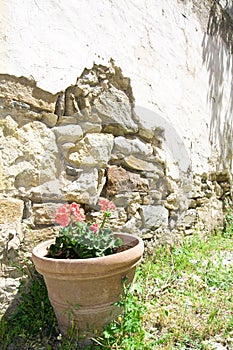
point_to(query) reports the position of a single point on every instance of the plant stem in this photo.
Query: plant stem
(106, 215)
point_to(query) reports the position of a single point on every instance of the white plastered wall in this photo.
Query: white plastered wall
(173, 64)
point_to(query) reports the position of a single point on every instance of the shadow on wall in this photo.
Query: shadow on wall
(217, 56)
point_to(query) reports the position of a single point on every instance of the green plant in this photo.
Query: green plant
(228, 225)
(127, 332)
(189, 294)
(80, 239)
(181, 299)
(33, 321)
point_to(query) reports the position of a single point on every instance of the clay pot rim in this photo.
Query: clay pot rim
(130, 239)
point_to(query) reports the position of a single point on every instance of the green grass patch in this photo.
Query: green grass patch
(182, 299)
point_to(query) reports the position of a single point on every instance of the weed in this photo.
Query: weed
(127, 331)
(181, 299)
(228, 225)
(34, 319)
(197, 303)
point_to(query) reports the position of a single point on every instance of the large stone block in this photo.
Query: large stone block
(48, 191)
(124, 146)
(68, 133)
(28, 156)
(114, 109)
(123, 181)
(154, 216)
(139, 164)
(86, 188)
(11, 210)
(94, 150)
(44, 213)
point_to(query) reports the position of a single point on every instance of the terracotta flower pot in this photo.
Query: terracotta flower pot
(83, 291)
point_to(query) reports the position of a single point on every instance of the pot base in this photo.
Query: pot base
(86, 323)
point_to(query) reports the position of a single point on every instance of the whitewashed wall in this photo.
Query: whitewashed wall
(176, 69)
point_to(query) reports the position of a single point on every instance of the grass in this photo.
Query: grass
(191, 304)
(182, 299)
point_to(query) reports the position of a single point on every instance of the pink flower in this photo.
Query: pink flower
(62, 220)
(106, 205)
(68, 213)
(77, 212)
(62, 217)
(94, 228)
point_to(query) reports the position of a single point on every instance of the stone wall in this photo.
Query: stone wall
(96, 145)
(167, 165)
(85, 143)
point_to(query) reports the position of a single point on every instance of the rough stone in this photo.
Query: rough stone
(8, 125)
(117, 220)
(72, 171)
(172, 201)
(156, 195)
(11, 210)
(133, 210)
(140, 164)
(210, 215)
(44, 213)
(48, 191)
(8, 287)
(64, 149)
(10, 238)
(190, 218)
(68, 133)
(122, 199)
(154, 216)
(28, 156)
(131, 226)
(126, 147)
(223, 176)
(114, 109)
(49, 119)
(26, 92)
(94, 150)
(86, 188)
(89, 77)
(121, 180)
(67, 120)
(101, 148)
(72, 93)
(171, 75)
(88, 127)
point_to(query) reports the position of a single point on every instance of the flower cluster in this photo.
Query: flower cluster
(81, 239)
(69, 212)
